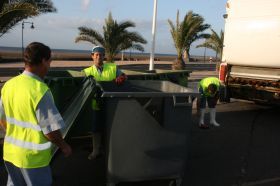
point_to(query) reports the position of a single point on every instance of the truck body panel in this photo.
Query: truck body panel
(252, 33)
(250, 53)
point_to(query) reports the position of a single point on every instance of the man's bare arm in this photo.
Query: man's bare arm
(56, 138)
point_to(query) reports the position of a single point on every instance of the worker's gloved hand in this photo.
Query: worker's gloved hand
(120, 80)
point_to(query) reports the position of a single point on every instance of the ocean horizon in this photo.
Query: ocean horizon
(19, 49)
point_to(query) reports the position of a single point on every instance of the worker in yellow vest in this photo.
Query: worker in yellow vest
(209, 92)
(31, 121)
(101, 72)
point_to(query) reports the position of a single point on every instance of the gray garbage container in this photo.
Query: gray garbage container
(148, 127)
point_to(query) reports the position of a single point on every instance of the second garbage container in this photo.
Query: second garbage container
(148, 127)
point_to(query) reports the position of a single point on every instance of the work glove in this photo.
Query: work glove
(120, 80)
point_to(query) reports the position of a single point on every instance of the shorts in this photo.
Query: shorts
(34, 176)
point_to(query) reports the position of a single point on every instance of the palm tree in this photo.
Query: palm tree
(185, 33)
(14, 11)
(214, 42)
(115, 37)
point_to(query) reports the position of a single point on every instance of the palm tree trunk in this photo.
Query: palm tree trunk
(187, 56)
(179, 64)
(221, 55)
(110, 58)
(122, 56)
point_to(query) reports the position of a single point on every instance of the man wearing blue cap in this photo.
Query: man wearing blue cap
(101, 72)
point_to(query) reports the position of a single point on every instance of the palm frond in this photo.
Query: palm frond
(187, 31)
(124, 25)
(214, 42)
(12, 14)
(138, 47)
(85, 38)
(115, 37)
(17, 10)
(2, 3)
(45, 6)
(207, 45)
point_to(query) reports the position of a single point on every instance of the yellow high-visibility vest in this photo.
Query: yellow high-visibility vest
(108, 74)
(204, 83)
(25, 145)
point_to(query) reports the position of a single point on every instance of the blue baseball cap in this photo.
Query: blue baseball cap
(98, 49)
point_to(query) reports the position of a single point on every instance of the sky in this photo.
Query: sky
(59, 30)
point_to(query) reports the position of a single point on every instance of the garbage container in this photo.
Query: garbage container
(148, 126)
(176, 76)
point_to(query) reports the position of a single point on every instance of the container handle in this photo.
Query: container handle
(182, 104)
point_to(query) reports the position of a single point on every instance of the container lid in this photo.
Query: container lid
(145, 88)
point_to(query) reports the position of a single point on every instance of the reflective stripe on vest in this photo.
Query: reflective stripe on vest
(23, 124)
(108, 74)
(25, 145)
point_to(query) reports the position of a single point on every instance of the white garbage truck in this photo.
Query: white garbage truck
(250, 67)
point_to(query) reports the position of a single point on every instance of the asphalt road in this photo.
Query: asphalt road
(243, 151)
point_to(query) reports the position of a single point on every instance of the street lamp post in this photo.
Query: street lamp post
(22, 27)
(204, 53)
(154, 36)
